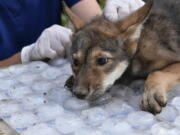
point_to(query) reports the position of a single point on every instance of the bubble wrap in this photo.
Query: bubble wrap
(33, 101)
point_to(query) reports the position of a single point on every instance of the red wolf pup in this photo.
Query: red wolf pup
(146, 44)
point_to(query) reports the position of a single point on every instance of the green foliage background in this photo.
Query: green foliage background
(101, 3)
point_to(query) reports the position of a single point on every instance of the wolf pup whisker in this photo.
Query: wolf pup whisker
(145, 44)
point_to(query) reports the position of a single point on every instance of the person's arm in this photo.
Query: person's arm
(86, 9)
(54, 42)
(15, 59)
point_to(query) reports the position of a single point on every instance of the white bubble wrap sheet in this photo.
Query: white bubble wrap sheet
(33, 101)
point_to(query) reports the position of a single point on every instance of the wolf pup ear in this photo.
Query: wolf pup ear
(77, 22)
(132, 25)
(136, 18)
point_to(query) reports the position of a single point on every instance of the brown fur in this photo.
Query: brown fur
(148, 41)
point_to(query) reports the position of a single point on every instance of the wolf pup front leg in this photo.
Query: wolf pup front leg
(157, 85)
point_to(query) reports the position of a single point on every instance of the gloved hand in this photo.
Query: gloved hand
(54, 41)
(118, 9)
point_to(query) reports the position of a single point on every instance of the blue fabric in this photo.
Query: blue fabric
(71, 2)
(22, 22)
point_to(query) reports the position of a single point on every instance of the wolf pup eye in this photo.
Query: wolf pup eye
(101, 61)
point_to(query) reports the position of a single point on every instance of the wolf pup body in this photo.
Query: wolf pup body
(146, 44)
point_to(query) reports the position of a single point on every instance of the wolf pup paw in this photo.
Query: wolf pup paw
(153, 100)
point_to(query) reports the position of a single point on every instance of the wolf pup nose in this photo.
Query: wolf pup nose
(80, 93)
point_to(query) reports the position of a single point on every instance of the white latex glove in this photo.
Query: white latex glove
(118, 9)
(54, 41)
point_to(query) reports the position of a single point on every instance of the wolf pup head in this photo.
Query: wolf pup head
(102, 50)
